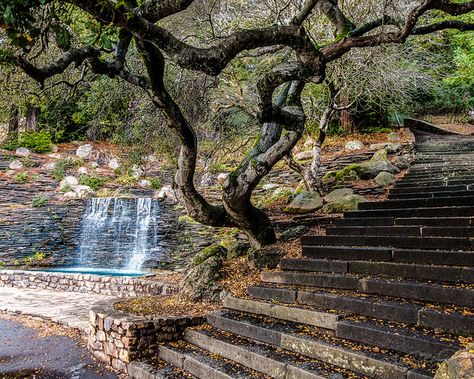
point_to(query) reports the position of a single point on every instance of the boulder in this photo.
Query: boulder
(49, 166)
(238, 249)
(207, 180)
(384, 179)
(15, 165)
(54, 148)
(354, 145)
(217, 251)
(393, 137)
(166, 192)
(371, 169)
(221, 178)
(71, 195)
(459, 366)
(294, 232)
(144, 183)
(266, 258)
(389, 146)
(82, 170)
(281, 193)
(83, 191)
(114, 163)
(23, 152)
(337, 194)
(402, 161)
(137, 171)
(84, 150)
(199, 283)
(306, 201)
(68, 181)
(304, 155)
(380, 155)
(343, 204)
(270, 186)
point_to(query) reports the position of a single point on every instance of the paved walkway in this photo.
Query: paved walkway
(70, 309)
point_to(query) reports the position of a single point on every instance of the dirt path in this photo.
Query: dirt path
(41, 350)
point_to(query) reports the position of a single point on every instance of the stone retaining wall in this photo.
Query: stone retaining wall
(118, 338)
(105, 285)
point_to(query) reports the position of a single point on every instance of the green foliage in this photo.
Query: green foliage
(35, 258)
(39, 142)
(126, 179)
(93, 181)
(374, 129)
(352, 171)
(10, 144)
(61, 167)
(40, 201)
(22, 177)
(155, 183)
(217, 251)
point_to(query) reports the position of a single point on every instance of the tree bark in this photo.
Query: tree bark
(32, 114)
(13, 123)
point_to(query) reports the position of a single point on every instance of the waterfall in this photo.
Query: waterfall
(119, 233)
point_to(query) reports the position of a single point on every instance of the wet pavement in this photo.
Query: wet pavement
(24, 353)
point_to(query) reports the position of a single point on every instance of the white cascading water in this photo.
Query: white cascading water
(118, 233)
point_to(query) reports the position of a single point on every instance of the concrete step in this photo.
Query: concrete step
(390, 221)
(450, 188)
(400, 288)
(155, 369)
(400, 339)
(433, 183)
(387, 254)
(372, 306)
(414, 195)
(269, 360)
(402, 230)
(399, 270)
(464, 244)
(420, 202)
(304, 316)
(202, 364)
(294, 338)
(452, 211)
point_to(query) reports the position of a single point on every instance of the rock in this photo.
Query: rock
(371, 169)
(84, 150)
(114, 163)
(54, 148)
(199, 283)
(402, 161)
(82, 170)
(217, 251)
(281, 193)
(384, 179)
(380, 155)
(459, 366)
(393, 137)
(238, 249)
(343, 204)
(15, 165)
(207, 180)
(71, 195)
(294, 232)
(49, 166)
(266, 258)
(304, 155)
(83, 191)
(365, 170)
(390, 147)
(337, 194)
(221, 178)
(270, 186)
(68, 181)
(23, 152)
(145, 183)
(55, 156)
(137, 171)
(306, 201)
(94, 164)
(166, 192)
(354, 145)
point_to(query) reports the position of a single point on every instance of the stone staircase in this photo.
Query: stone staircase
(388, 292)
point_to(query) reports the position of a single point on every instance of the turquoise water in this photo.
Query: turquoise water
(95, 271)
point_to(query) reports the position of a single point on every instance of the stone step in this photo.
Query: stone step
(402, 230)
(387, 254)
(203, 365)
(392, 221)
(413, 195)
(408, 289)
(462, 211)
(447, 171)
(433, 183)
(403, 340)
(292, 337)
(398, 191)
(436, 177)
(445, 243)
(400, 270)
(269, 360)
(419, 202)
(155, 369)
(303, 316)
(372, 306)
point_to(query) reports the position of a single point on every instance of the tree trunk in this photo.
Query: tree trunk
(32, 114)
(13, 123)
(346, 118)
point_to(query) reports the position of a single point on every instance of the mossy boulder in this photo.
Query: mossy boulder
(337, 194)
(459, 366)
(237, 249)
(343, 204)
(365, 171)
(353, 171)
(217, 251)
(380, 155)
(200, 282)
(384, 179)
(402, 161)
(279, 194)
(293, 233)
(306, 201)
(266, 258)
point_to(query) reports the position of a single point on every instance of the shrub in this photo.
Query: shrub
(155, 183)
(94, 182)
(126, 180)
(22, 177)
(39, 142)
(10, 143)
(40, 201)
(60, 168)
